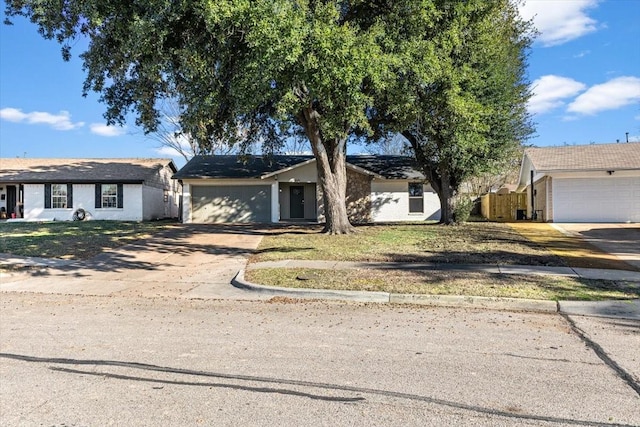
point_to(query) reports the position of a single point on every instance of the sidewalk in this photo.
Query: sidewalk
(217, 289)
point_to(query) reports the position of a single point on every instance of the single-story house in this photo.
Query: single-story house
(582, 183)
(101, 189)
(270, 189)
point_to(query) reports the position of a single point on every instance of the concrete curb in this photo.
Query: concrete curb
(239, 282)
(503, 304)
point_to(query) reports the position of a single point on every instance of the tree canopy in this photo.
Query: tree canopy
(259, 71)
(465, 111)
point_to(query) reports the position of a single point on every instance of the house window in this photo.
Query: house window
(58, 196)
(416, 197)
(109, 196)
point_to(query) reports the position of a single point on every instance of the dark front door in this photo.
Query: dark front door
(296, 197)
(11, 199)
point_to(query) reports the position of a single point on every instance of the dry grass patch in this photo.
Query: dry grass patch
(447, 283)
(72, 240)
(470, 243)
(574, 250)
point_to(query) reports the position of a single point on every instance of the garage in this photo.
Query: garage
(603, 199)
(231, 204)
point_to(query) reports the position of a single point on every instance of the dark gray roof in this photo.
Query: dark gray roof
(243, 167)
(389, 167)
(24, 170)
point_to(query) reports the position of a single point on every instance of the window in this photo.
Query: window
(416, 197)
(109, 196)
(58, 196)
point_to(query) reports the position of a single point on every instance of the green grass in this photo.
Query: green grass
(470, 243)
(448, 283)
(71, 240)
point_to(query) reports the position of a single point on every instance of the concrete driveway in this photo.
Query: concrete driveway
(185, 261)
(620, 240)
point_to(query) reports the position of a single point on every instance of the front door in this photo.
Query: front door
(11, 200)
(296, 200)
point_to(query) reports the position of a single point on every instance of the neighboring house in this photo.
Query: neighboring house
(583, 183)
(114, 189)
(269, 189)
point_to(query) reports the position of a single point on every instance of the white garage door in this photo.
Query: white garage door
(607, 199)
(229, 204)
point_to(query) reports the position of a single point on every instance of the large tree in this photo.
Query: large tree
(462, 107)
(238, 68)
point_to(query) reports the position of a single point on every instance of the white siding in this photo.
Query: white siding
(390, 202)
(154, 206)
(607, 198)
(306, 173)
(83, 197)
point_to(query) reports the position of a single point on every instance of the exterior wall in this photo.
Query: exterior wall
(161, 196)
(595, 196)
(154, 206)
(3, 198)
(541, 200)
(390, 202)
(307, 173)
(83, 197)
(370, 200)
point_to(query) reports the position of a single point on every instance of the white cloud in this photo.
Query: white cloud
(550, 91)
(560, 21)
(582, 54)
(60, 121)
(106, 130)
(611, 95)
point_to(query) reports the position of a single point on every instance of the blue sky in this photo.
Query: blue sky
(584, 68)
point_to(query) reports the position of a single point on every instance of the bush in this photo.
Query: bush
(462, 209)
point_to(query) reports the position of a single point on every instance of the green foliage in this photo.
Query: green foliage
(465, 112)
(449, 75)
(462, 209)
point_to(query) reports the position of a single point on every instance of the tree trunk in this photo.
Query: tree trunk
(332, 173)
(438, 178)
(445, 194)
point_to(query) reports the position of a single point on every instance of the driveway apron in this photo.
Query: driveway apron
(184, 261)
(620, 240)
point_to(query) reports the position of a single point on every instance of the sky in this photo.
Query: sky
(584, 69)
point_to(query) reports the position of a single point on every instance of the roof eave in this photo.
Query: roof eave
(287, 169)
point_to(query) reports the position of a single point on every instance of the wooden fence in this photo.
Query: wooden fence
(504, 207)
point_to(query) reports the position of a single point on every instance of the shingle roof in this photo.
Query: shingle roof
(27, 170)
(622, 156)
(236, 167)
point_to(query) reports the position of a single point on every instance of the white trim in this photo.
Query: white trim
(290, 168)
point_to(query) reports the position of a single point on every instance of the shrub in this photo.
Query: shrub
(462, 209)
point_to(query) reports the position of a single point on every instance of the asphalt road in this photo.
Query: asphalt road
(82, 360)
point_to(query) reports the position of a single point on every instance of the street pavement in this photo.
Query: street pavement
(153, 334)
(78, 360)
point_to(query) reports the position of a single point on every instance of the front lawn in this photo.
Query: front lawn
(448, 283)
(72, 240)
(470, 243)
